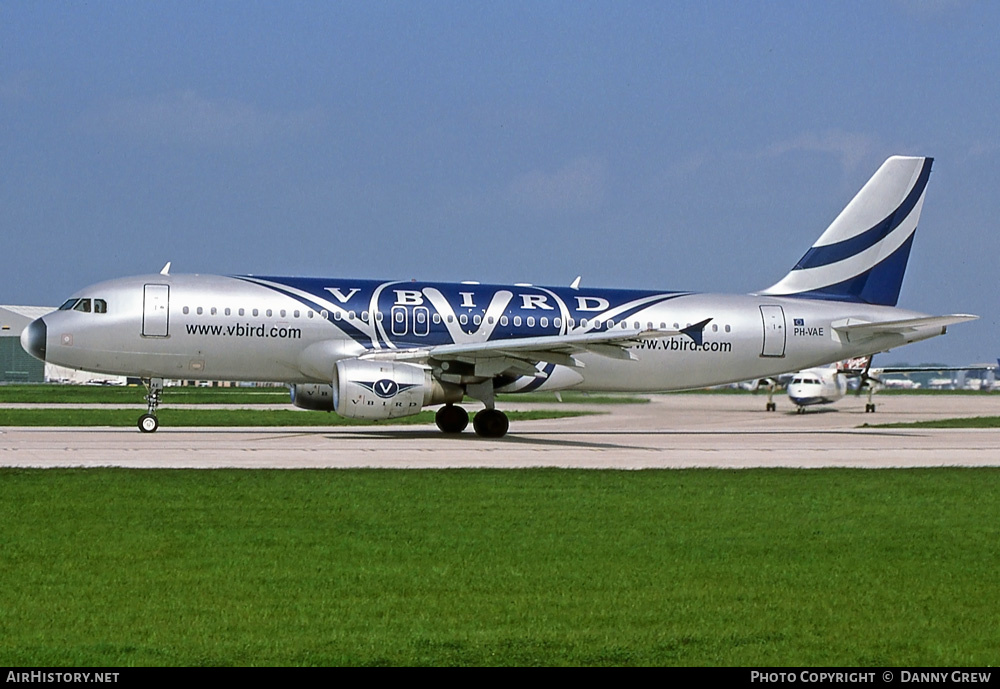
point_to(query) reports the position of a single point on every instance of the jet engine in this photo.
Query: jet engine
(314, 396)
(386, 390)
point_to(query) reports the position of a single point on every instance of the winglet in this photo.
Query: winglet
(166, 269)
(576, 283)
(696, 331)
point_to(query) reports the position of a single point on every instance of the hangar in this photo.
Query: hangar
(16, 365)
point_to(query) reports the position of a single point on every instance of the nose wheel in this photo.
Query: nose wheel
(148, 423)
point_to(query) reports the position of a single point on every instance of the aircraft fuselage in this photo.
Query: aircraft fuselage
(294, 330)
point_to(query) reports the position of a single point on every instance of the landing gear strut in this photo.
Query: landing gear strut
(870, 406)
(490, 422)
(148, 422)
(771, 406)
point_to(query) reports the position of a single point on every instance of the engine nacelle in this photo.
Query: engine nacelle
(314, 396)
(387, 390)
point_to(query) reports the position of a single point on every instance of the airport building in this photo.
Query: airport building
(16, 365)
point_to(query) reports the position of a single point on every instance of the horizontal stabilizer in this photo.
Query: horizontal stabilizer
(858, 330)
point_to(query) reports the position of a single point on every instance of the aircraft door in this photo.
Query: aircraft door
(774, 331)
(155, 310)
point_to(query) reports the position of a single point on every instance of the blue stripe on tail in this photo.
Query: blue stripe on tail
(880, 285)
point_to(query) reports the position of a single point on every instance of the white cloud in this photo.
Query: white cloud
(852, 149)
(190, 118)
(580, 185)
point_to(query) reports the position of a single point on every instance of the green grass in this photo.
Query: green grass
(227, 417)
(97, 394)
(966, 422)
(118, 567)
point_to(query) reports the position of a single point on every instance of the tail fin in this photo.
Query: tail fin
(862, 255)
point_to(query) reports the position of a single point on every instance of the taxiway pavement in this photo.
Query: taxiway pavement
(671, 431)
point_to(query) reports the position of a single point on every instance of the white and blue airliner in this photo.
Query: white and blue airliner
(385, 349)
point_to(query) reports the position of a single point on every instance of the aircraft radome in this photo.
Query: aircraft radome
(382, 350)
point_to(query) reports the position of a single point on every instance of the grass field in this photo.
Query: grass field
(966, 422)
(477, 567)
(98, 394)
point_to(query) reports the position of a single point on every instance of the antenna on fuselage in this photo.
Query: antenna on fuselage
(166, 269)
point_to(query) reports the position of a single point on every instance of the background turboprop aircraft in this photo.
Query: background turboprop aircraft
(826, 385)
(383, 350)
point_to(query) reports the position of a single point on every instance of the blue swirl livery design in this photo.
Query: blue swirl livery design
(380, 350)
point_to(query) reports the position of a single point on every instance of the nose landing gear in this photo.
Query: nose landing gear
(148, 422)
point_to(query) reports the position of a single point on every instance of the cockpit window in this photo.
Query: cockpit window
(85, 305)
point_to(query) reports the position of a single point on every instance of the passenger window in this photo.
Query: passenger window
(544, 322)
(186, 310)
(557, 322)
(242, 312)
(199, 310)
(477, 319)
(531, 321)
(517, 321)
(255, 312)
(503, 321)
(82, 305)
(269, 313)
(282, 313)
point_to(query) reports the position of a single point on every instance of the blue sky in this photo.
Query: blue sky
(692, 145)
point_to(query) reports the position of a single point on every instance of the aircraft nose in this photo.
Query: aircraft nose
(33, 338)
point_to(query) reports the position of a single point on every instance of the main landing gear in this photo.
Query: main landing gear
(451, 419)
(489, 423)
(771, 406)
(148, 422)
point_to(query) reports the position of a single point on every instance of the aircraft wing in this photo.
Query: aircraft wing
(859, 330)
(519, 356)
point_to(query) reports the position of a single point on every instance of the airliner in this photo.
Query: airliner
(383, 350)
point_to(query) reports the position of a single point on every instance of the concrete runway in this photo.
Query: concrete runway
(672, 431)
